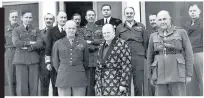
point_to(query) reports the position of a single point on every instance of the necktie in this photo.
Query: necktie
(106, 21)
(62, 30)
(27, 28)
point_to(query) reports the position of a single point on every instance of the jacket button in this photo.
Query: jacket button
(71, 58)
(71, 49)
(18, 51)
(70, 53)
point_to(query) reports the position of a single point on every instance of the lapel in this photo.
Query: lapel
(194, 27)
(57, 33)
(23, 28)
(102, 21)
(100, 56)
(112, 21)
(113, 43)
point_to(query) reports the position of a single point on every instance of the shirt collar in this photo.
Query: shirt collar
(60, 28)
(130, 24)
(107, 20)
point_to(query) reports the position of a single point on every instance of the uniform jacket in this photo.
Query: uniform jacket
(172, 67)
(195, 34)
(53, 35)
(93, 33)
(8, 44)
(114, 21)
(136, 33)
(21, 38)
(70, 62)
(114, 69)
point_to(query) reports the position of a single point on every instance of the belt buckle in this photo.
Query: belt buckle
(164, 51)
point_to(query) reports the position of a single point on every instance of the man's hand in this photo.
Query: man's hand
(188, 79)
(32, 42)
(152, 82)
(88, 41)
(122, 89)
(49, 67)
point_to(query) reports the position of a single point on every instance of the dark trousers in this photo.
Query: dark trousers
(91, 80)
(10, 70)
(173, 89)
(45, 76)
(27, 79)
(151, 89)
(137, 61)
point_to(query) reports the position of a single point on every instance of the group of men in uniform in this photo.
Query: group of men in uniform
(28, 55)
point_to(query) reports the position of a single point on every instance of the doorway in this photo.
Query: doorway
(78, 7)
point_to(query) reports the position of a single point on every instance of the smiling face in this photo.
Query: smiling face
(163, 20)
(194, 12)
(49, 20)
(13, 17)
(152, 20)
(129, 14)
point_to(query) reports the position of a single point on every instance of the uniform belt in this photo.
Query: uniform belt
(168, 52)
(131, 39)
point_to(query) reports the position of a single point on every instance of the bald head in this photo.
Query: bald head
(61, 18)
(70, 28)
(164, 19)
(108, 32)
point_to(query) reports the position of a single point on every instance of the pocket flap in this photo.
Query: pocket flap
(154, 64)
(181, 61)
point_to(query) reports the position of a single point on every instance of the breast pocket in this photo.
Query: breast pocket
(177, 40)
(33, 35)
(63, 53)
(8, 37)
(157, 44)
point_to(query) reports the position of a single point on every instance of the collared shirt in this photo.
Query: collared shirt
(130, 24)
(108, 20)
(60, 28)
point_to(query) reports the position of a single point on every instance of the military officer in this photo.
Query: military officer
(27, 41)
(153, 23)
(77, 18)
(136, 36)
(10, 51)
(170, 58)
(45, 72)
(93, 36)
(70, 61)
(194, 28)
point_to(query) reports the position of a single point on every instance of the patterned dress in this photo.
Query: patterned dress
(114, 69)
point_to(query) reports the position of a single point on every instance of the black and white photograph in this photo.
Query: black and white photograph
(103, 48)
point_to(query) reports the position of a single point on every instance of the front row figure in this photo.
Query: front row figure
(70, 61)
(170, 58)
(113, 65)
